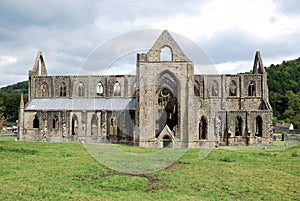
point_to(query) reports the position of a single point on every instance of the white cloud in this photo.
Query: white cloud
(7, 60)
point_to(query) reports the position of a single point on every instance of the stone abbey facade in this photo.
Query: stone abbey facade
(164, 104)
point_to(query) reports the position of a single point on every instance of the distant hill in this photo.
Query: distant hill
(283, 82)
(284, 88)
(10, 100)
(20, 87)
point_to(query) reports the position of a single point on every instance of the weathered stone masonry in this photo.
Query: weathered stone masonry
(163, 104)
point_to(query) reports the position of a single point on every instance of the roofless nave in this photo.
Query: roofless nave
(165, 103)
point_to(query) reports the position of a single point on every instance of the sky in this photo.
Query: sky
(69, 31)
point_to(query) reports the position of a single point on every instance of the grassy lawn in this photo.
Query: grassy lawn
(66, 171)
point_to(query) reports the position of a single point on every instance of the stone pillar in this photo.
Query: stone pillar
(21, 119)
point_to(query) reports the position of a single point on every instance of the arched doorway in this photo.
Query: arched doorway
(36, 122)
(167, 112)
(74, 125)
(203, 128)
(238, 126)
(166, 141)
(258, 126)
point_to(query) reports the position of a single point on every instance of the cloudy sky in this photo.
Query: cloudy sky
(68, 31)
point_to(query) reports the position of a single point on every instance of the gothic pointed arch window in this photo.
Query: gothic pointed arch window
(55, 122)
(258, 126)
(232, 88)
(251, 88)
(166, 54)
(100, 89)
(80, 89)
(215, 88)
(36, 122)
(117, 89)
(62, 90)
(44, 90)
(203, 128)
(238, 126)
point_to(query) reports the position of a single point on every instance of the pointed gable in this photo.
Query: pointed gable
(165, 40)
(258, 67)
(39, 65)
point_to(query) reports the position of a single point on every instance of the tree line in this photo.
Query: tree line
(284, 89)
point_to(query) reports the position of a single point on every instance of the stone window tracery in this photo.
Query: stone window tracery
(55, 122)
(62, 90)
(44, 90)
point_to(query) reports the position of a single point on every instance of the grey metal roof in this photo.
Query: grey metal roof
(82, 104)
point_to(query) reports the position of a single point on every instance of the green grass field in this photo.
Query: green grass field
(66, 171)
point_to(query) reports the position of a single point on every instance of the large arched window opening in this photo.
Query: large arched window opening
(167, 111)
(74, 127)
(36, 122)
(166, 54)
(62, 90)
(238, 126)
(80, 89)
(232, 88)
(117, 89)
(251, 89)
(100, 89)
(258, 126)
(44, 90)
(203, 128)
(94, 125)
(215, 89)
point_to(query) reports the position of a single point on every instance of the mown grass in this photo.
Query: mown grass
(65, 171)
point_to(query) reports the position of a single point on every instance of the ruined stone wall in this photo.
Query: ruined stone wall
(89, 84)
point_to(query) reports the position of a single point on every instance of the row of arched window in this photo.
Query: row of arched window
(203, 127)
(214, 91)
(36, 122)
(239, 126)
(99, 89)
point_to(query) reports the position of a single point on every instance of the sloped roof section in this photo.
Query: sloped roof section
(81, 104)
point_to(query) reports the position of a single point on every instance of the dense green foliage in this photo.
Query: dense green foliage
(10, 100)
(65, 171)
(284, 87)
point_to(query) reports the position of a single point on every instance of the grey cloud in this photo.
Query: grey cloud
(45, 13)
(288, 7)
(237, 44)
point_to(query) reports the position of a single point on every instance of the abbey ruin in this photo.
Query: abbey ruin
(164, 104)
